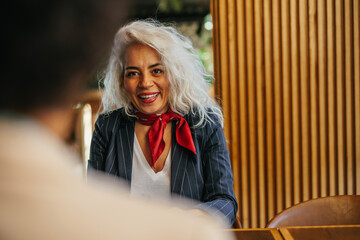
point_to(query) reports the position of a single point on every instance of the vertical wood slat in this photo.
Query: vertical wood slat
(244, 139)
(304, 92)
(294, 29)
(279, 156)
(314, 98)
(331, 75)
(249, 16)
(269, 95)
(234, 99)
(290, 71)
(322, 75)
(260, 117)
(214, 8)
(356, 21)
(349, 96)
(340, 95)
(286, 76)
(224, 85)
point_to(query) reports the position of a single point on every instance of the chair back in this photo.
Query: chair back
(237, 223)
(334, 210)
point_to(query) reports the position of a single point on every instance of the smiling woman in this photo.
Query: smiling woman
(160, 130)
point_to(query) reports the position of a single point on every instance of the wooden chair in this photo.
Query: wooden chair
(85, 114)
(335, 210)
(237, 223)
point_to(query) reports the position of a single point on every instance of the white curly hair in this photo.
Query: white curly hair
(187, 75)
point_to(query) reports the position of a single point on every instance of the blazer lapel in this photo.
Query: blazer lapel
(178, 166)
(126, 147)
(179, 161)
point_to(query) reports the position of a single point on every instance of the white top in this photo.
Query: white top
(145, 182)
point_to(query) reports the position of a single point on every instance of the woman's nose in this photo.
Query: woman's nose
(146, 81)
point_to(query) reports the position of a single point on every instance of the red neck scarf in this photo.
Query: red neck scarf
(156, 132)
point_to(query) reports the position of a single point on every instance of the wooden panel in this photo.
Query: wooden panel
(357, 91)
(314, 99)
(233, 88)
(349, 96)
(304, 92)
(269, 109)
(244, 133)
(224, 74)
(250, 48)
(260, 108)
(322, 75)
(340, 96)
(295, 86)
(286, 84)
(331, 95)
(277, 60)
(287, 73)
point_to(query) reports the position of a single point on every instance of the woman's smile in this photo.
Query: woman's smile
(148, 97)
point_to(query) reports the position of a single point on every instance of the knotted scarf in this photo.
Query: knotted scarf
(156, 133)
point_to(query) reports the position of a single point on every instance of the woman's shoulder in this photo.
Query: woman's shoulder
(210, 119)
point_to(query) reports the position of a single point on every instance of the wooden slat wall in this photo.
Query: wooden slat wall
(287, 76)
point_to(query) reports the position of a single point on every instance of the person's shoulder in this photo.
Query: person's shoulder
(211, 120)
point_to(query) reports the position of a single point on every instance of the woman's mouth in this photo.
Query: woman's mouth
(148, 97)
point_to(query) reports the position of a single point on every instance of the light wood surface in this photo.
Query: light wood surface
(257, 233)
(339, 232)
(350, 232)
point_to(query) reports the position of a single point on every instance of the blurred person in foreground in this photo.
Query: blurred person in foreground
(160, 130)
(49, 48)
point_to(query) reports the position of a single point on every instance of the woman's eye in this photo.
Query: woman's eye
(157, 71)
(131, 74)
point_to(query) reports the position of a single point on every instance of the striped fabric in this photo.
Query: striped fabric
(205, 177)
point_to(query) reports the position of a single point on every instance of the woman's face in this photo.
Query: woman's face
(145, 80)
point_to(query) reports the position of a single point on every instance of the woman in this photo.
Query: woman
(159, 129)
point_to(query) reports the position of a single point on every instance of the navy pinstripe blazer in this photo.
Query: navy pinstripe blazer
(205, 177)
